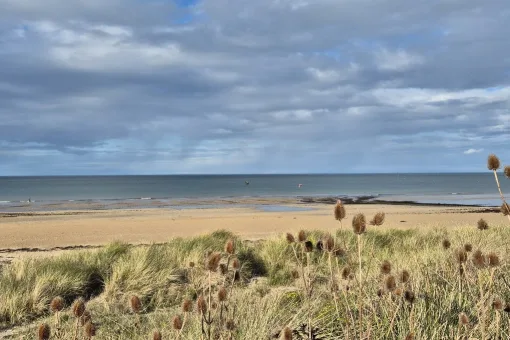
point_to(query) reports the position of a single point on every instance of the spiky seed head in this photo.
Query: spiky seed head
(478, 259)
(507, 308)
(214, 305)
(295, 274)
(287, 334)
(177, 323)
(504, 210)
(319, 245)
(78, 307)
(57, 304)
(497, 304)
(493, 259)
(213, 261)
(346, 271)
(223, 269)
(44, 331)
(446, 244)
(308, 246)
(156, 335)
(222, 294)
(230, 247)
(378, 219)
(410, 336)
(89, 329)
(380, 292)
(191, 264)
(136, 304)
(385, 267)
(398, 291)
(463, 319)
(339, 210)
(201, 305)
(339, 252)
(468, 247)
(230, 325)
(187, 306)
(301, 236)
(390, 283)
(461, 255)
(329, 243)
(409, 296)
(493, 162)
(359, 224)
(482, 224)
(290, 238)
(236, 264)
(86, 317)
(507, 171)
(404, 276)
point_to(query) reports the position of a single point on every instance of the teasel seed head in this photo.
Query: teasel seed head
(191, 264)
(404, 276)
(223, 269)
(287, 334)
(90, 329)
(319, 245)
(493, 260)
(507, 308)
(213, 261)
(478, 259)
(230, 325)
(378, 219)
(385, 267)
(380, 292)
(86, 317)
(463, 319)
(482, 224)
(329, 243)
(468, 247)
(359, 224)
(295, 274)
(230, 247)
(187, 306)
(346, 271)
(156, 335)
(446, 244)
(497, 304)
(201, 305)
(410, 336)
(504, 210)
(301, 236)
(339, 252)
(236, 264)
(507, 171)
(136, 304)
(44, 331)
(222, 294)
(78, 307)
(177, 323)
(290, 238)
(308, 246)
(493, 162)
(390, 283)
(339, 210)
(57, 304)
(461, 255)
(409, 296)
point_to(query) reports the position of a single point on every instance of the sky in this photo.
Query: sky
(266, 86)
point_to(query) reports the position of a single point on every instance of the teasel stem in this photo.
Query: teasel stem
(182, 327)
(335, 297)
(300, 264)
(395, 316)
(501, 192)
(209, 309)
(309, 296)
(360, 300)
(348, 308)
(76, 329)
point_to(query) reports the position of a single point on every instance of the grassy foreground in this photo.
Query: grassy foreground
(373, 284)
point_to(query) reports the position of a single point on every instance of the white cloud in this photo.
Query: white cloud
(398, 60)
(471, 151)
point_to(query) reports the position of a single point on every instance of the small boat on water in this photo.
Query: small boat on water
(300, 185)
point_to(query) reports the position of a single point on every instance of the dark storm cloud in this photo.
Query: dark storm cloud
(272, 86)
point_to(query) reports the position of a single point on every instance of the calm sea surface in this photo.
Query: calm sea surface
(464, 188)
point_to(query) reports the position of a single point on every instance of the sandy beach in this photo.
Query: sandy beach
(58, 229)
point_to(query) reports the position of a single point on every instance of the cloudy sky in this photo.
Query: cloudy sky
(266, 86)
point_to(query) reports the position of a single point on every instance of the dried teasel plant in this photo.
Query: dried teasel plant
(230, 247)
(507, 171)
(339, 211)
(78, 309)
(286, 334)
(290, 238)
(494, 164)
(461, 256)
(463, 319)
(359, 224)
(446, 244)
(409, 296)
(482, 224)
(478, 259)
(493, 259)
(156, 335)
(86, 317)
(89, 330)
(44, 331)
(468, 247)
(213, 261)
(135, 304)
(301, 236)
(177, 323)
(187, 306)
(390, 283)
(56, 306)
(404, 276)
(497, 304)
(385, 267)
(378, 219)
(201, 305)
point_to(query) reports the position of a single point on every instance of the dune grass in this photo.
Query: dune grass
(269, 293)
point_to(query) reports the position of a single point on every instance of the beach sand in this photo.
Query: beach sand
(48, 230)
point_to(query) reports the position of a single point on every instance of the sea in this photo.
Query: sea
(113, 192)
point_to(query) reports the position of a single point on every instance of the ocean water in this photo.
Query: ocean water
(465, 188)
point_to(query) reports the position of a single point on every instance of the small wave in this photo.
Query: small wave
(146, 198)
(70, 200)
(5, 202)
